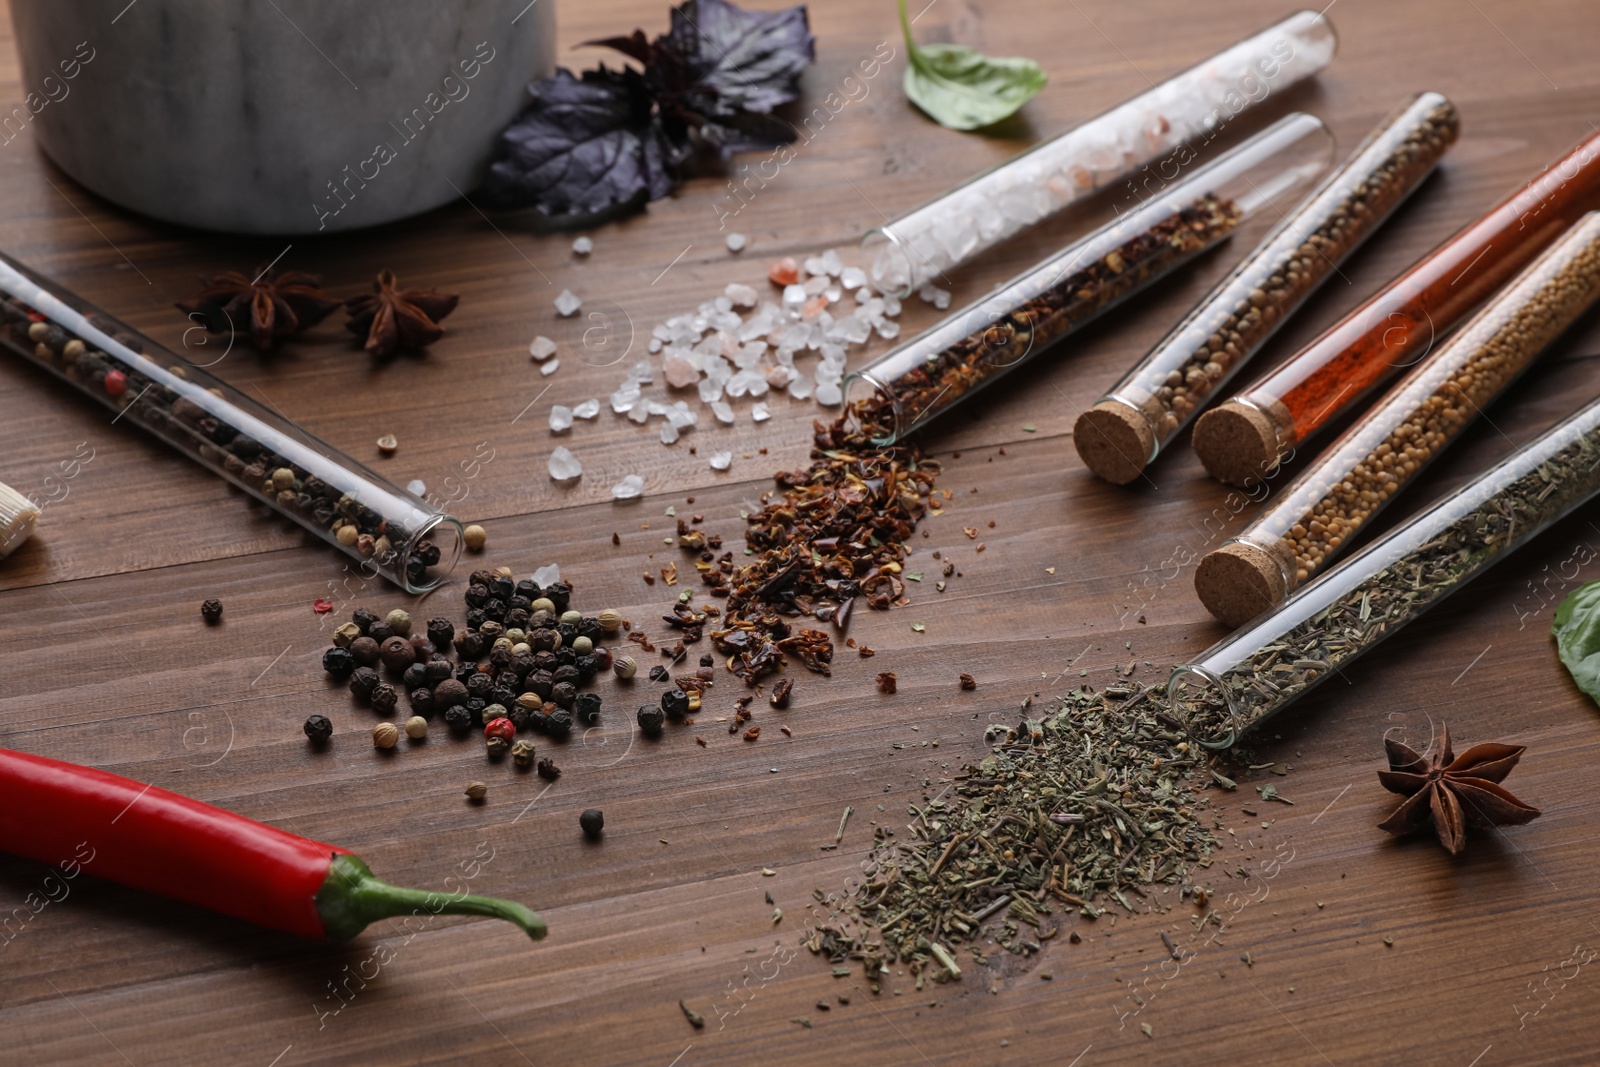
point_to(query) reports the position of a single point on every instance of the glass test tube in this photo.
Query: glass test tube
(1244, 437)
(1347, 611)
(1331, 501)
(927, 375)
(388, 530)
(1125, 431)
(1181, 113)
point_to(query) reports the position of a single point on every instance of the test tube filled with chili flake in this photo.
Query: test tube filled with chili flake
(390, 532)
(1125, 431)
(1346, 612)
(1247, 435)
(1334, 499)
(926, 376)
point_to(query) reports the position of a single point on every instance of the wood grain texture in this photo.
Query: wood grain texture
(105, 660)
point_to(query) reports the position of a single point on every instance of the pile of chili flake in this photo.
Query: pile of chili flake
(831, 535)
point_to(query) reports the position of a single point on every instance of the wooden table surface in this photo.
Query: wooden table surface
(105, 660)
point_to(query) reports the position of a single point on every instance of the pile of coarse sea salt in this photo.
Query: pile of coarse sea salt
(739, 347)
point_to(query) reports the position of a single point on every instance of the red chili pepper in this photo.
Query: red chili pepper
(147, 838)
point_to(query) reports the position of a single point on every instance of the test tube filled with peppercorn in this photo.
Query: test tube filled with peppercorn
(1129, 426)
(1335, 498)
(928, 375)
(391, 532)
(1345, 613)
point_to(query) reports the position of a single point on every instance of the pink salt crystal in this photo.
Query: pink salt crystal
(813, 307)
(784, 272)
(680, 373)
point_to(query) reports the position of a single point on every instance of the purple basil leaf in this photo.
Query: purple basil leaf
(744, 131)
(584, 145)
(634, 47)
(749, 60)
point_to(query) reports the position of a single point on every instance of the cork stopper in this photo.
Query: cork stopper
(1237, 443)
(1114, 441)
(1239, 581)
(18, 517)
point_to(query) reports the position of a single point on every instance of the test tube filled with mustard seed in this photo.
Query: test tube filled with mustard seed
(916, 382)
(1334, 499)
(1128, 427)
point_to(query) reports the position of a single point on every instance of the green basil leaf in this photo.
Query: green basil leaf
(1577, 630)
(963, 89)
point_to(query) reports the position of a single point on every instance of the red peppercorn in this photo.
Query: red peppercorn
(116, 382)
(502, 728)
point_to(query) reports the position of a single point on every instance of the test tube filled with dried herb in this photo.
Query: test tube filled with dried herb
(1332, 501)
(1346, 612)
(931, 373)
(1239, 440)
(1125, 431)
(390, 532)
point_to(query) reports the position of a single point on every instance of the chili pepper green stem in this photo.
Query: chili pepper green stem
(352, 898)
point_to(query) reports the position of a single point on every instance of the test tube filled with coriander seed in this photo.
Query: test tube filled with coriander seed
(1128, 427)
(924, 377)
(1334, 499)
(390, 532)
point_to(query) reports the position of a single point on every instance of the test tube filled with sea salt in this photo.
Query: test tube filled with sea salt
(1174, 117)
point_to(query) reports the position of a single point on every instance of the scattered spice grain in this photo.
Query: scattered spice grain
(211, 612)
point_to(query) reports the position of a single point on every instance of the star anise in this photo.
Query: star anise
(392, 317)
(276, 305)
(1453, 792)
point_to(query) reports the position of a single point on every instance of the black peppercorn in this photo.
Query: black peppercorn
(465, 671)
(559, 724)
(339, 663)
(365, 651)
(651, 721)
(415, 677)
(559, 594)
(565, 673)
(437, 669)
(380, 631)
(318, 729)
(548, 770)
(441, 632)
(592, 821)
(539, 720)
(479, 685)
(508, 680)
(708, 661)
(421, 648)
(211, 611)
(384, 698)
(528, 589)
(587, 708)
(519, 716)
(459, 720)
(658, 673)
(449, 693)
(587, 668)
(397, 654)
(521, 663)
(494, 608)
(675, 702)
(566, 657)
(545, 661)
(491, 630)
(564, 693)
(476, 617)
(502, 588)
(475, 706)
(422, 701)
(568, 632)
(364, 619)
(477, 593)
(362, 682)
(539, 682)
(502, 695)
(470, 645)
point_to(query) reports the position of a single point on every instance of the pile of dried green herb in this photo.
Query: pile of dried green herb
(1094, 800)
(832, 534)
